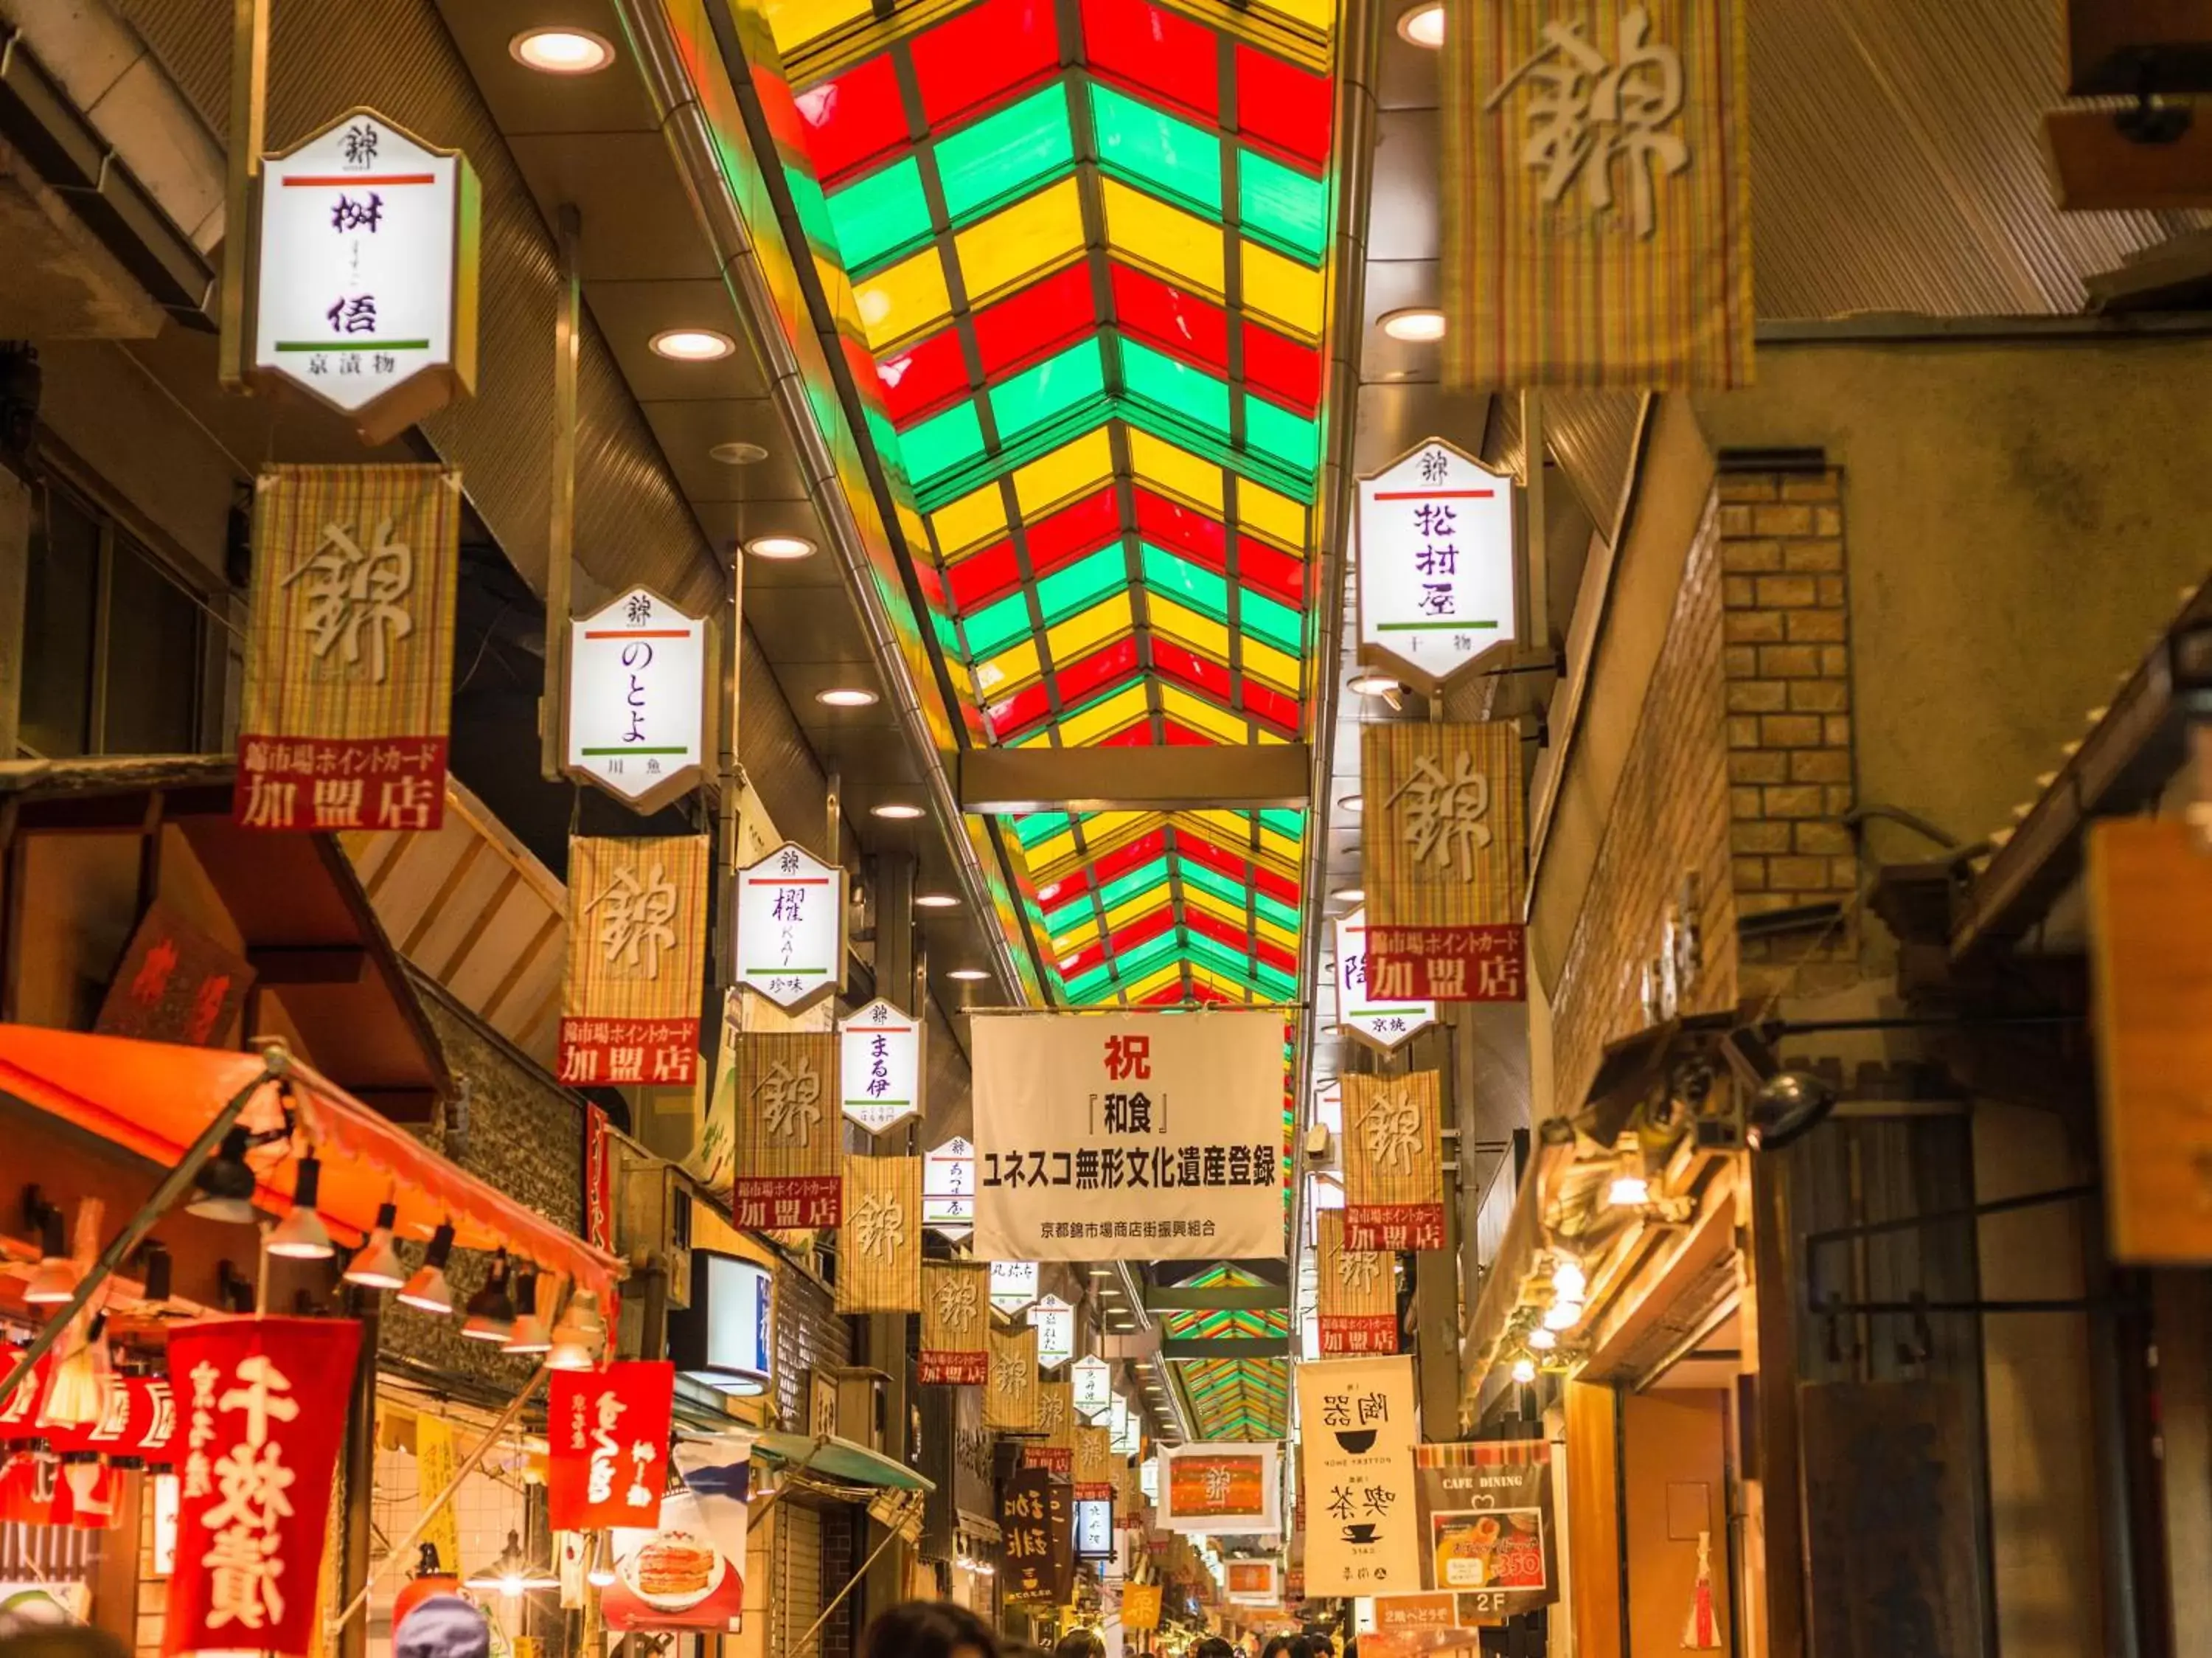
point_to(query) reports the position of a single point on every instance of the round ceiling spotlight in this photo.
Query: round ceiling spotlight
(1350, 803)
(737, 453)
(969, 975)
(561, 51)
(899, 810)
(1424, 25)
(1374, 685)
(692, 344)
(781, 546)
(1350, 895)
(935, 901)
(1417, 326)
(845, 696)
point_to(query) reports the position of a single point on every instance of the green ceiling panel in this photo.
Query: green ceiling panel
(1048, 389)
(1003, 155)
(1282, 205)
(942, 442)
(1079, 585)
(1180, 579)
(1186, 392)
(1290, 438)
(1278, 625)
(1155, 151)
(882, 216)
(994, 627)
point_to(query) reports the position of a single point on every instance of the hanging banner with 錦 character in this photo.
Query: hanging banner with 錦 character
(1055, 1420)
(956, 1324)
(1597, 196)
(1036, 1540)
(784, 1088)
(1010, 1400)
(260, 1438)
(1393, 1173)
(1357, 1293)
(1485, 1510)
(1219, 1486)
(1446, 843)
(1129, 1136)
(1094, 1463)
(348, 649)
(606, 1435)
(1356, 1437)
(637, 952)
(879, 1240)
(1253, 1582)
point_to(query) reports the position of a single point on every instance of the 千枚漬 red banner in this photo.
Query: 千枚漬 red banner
(263, 1415)
(607, 1433)
(637, 959)
(349, 648)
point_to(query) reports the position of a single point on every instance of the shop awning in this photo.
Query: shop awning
(155, 1099)
(839, 1459)
(1505, 1272)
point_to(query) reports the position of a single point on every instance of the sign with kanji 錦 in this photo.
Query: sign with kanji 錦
(1253, 1582)
(1375, 1020)
(948, 1188)
(637, 955)
(637, 699)
(1356, 1291)
(956, 1324)
(791, 927)
(1444, 847)
(1010, 1398)
(789, 1160)
(607, 1444)
(1436, 565)
(364, 274)
(1054, 1322)
(1596, 197)
(1129, 1136)
(1393, 1162)
(1220, 1486)
(1357, 1433)
(1013, 1286)
(1055, 1420)
(879, 1242)
(1093, 1379)
(881, 1069)
(1094, 1461)
(348, 649)
(1487, 1528)
(260, 1451)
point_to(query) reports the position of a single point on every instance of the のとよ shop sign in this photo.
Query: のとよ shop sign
(364, 274)
(1435, 565)
(637, 699)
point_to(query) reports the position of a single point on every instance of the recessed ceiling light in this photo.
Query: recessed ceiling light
(737, 453)
(968, 975)
(895, 808)
(935, 901)
(694, 345)
(845, 696)
(1374, 685)
(1350, 804)
(1417, 326)
(1424, 25)
(1350, 895)
(780, 546)
(561, 51)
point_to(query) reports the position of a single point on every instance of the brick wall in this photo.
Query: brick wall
(808, 1332)
(1786, 660)
(1669, 818)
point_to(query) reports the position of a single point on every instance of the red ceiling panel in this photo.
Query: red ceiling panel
(852, 119)
(1191, 328)
(985, 52)
(982, 577)
(1026, 326)
(1289, 370)
(1181, 529)
(1083, 526)
(1157, 50)
(1282, 105)
(922, 377)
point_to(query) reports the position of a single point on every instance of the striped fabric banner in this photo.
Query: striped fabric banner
(788, 1153)
(637, 950)
(1094, 1462)
(1393, 1162)
(1357, 1293)
(348, 649)
(1010, 1399)
(1597, 195)
(879, 1244)
(956, 1323)
(1057, 1421)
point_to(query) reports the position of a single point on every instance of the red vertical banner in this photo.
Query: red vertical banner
(608, 1431)
(599, 1179)
(262, 1428)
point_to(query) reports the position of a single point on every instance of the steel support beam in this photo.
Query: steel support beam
(1218, 1298)
(1225, 1347)
(1171, 779)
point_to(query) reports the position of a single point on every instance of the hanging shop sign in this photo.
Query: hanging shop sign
(137, 1420)
(723, 1339)
(1094, 1461)
(637, 950)
(1140, 1608)
(1148, 1478)
(1094, 1527)
(1357, 1290)
(1054, 1320)
(348, 649)
(1129, 1136)
(1358, 1433)
(956, 1324)
(1486, 1528)
(1125, 1427)
(1253, 1582)
(260, 1447)
(688, 1572)
(1093, 1380)
(637, 711)
(880, 1049)
(1597, 200)
(879, 1242)
(175, 984)
(607, 1439)
(791, 928)
(365, 268)
(1436, 565)
(1010, 1400)
(1378, 1020)
(1216, 1486)
(948, 1189)
(1055, 1420)
(1013, 1286)
(788, 1159)
(1411, 1625)
(1393, 1162)
(1034, 1530)
(1445, 845)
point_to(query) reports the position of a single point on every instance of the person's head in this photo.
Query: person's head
(1278, 1646)
(1214, 1647)
(929, 1628)
(1080, 1644)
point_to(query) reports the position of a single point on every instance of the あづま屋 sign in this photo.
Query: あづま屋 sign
(948, 1189)
(637, 699)
(607, 1432)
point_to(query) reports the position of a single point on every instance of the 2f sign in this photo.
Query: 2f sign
(1437, 564)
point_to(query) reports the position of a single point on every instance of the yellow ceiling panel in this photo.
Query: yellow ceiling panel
(1158, 979)
(1074, 468)
(1008, 671)
(1107, 619)
(1199, 632)
(903, 299)
(1283, 289)
(1023, 242)
(1104, 719)
(971, 519)
(1173, 242)
(1277, 517)
(1158, 462)
(1203, 716)
(1272, 665)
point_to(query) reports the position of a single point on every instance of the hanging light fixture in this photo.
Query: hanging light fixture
(492, 1310)
(514, 1573)
(528, 1335)
(577, 1334)
(1543, 1340)
(1568, 1281)
(601, 1572)
(56, 1279)
(1524, 1370)
(428, 1288)
(225, 1183)
(159, 1271)
(378, 1266)
(301, 1235)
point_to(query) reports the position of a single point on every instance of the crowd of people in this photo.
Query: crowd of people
(941, 1629)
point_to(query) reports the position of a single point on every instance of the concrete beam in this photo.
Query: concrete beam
(1226, 1347)
(1001, 780)
(1218, 1298)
